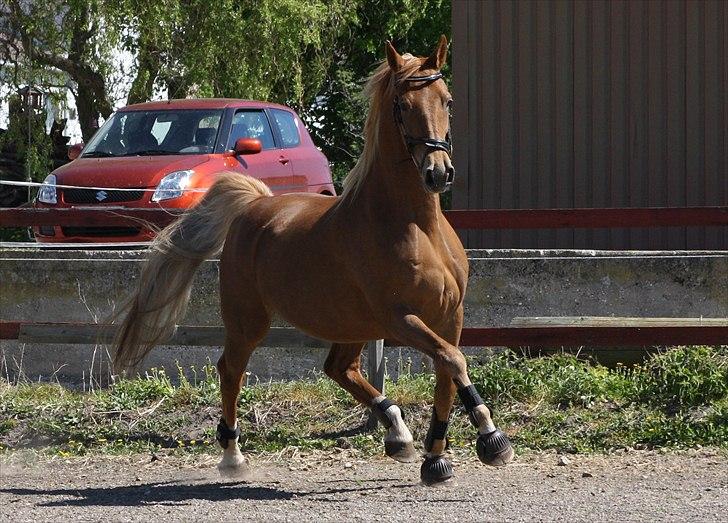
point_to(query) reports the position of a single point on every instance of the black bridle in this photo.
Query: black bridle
(411, 141)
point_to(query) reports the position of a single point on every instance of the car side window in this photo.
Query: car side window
(251, 124)
(288, 126)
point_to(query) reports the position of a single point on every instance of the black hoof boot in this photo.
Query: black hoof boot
(494, 449)
(435, 469)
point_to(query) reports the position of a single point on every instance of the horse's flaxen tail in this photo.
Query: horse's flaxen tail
(161, 298)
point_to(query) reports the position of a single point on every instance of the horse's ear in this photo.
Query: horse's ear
(437, 59)
(394, 59)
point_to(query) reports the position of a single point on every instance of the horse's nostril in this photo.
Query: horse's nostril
(429, 177)
(450, 174)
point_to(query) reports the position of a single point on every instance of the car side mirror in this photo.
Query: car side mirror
(247, 146)
(75, 151)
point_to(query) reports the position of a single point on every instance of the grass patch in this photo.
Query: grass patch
(676, 399)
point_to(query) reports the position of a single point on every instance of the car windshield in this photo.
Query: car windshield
(150, 133)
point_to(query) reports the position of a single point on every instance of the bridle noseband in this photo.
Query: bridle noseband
(410, 141)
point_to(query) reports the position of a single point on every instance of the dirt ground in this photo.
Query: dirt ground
(630, 486)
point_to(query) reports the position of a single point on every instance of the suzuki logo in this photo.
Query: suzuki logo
(101, 195)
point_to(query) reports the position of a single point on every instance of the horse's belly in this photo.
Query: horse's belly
(313, 295)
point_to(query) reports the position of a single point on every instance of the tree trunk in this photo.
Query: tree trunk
(92, 100)
(142, 88)
(177, 87)
(87, 113)
(91, 96)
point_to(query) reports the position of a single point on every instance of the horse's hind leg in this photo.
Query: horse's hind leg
(240, 341)
(342, 365)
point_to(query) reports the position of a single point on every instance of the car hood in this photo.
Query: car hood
(128, 171)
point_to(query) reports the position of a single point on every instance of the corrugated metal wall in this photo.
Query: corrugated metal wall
(591, 104)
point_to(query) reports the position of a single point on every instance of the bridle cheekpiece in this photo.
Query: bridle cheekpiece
(411, 141)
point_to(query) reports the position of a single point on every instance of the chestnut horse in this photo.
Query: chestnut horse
(380, 261)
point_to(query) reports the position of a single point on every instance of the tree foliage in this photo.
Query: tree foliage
(61, 43)
(33, 153)
(336, 119)
(259, 49)
(310, 54)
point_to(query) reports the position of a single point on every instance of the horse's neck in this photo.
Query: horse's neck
(393, 186)
(397, 191)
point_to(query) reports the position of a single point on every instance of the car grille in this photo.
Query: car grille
(100, 196)
(101, 231)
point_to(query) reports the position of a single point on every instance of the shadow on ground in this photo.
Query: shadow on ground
(177, 493)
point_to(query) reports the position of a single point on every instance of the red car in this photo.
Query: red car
(163, 153)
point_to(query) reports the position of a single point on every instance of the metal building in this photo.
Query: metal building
(591, 103)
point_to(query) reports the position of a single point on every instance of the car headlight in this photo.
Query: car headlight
(172, 186)
(47, 192)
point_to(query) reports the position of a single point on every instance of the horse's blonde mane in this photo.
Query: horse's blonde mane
(380, 86)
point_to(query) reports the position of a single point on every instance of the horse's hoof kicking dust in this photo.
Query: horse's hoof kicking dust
(235, 468)
(435, 469)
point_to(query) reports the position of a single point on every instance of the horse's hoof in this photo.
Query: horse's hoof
(236, 467)
(403, 452)
(494, 449)
(435, 469)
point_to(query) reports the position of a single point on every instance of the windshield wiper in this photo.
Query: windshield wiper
(97, 154)
(150, 152)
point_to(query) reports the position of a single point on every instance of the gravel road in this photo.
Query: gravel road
(630, 486)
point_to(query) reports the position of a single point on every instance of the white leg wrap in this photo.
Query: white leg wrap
(398, 431)
(485, 423)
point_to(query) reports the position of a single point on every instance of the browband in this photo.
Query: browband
(430, 78)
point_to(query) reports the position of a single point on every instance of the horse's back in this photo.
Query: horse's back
(276, 225)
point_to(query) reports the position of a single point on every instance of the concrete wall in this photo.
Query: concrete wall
(86, 286)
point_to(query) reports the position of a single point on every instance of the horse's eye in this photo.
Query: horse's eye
(449, 104)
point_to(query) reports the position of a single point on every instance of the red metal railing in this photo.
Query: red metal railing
(512, 336)
(460, 219)
(30, 216)
(587, 218)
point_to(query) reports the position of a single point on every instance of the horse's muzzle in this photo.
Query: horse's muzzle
(439, 178)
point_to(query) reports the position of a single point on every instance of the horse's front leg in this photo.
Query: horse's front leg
(343, 366)
(451, 375)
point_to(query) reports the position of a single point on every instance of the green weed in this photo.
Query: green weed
(676, 399)
(685, 376)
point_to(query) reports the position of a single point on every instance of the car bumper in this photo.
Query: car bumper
(112, 233)
(92, 234)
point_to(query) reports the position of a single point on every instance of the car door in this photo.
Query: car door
(287, 126)
(270, 164)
